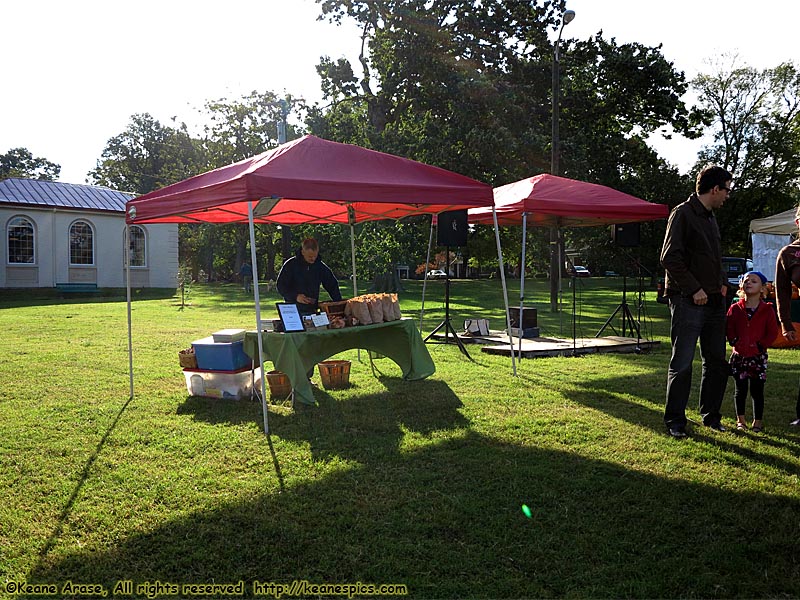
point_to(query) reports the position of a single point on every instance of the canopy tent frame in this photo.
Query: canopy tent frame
(553, 201)
(308, 180)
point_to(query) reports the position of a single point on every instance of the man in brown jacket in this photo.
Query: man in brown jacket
(696, 285)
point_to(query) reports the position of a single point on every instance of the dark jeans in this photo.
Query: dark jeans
(756, 391)
(797, 406)
(691, 322)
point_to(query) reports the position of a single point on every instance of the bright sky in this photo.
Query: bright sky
(76, 71)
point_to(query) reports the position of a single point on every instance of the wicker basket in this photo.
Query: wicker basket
(279, 384)
(334, 309)
(335, 374)
(187, 358)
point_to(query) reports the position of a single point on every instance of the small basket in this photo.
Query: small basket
(279, 384)
(335, 374)
(334, 309)
(187, 358)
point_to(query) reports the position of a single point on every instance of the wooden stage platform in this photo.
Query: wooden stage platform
(497, 342)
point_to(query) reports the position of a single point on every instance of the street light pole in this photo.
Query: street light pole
(286, 231)
(555, 247)
(282, 122)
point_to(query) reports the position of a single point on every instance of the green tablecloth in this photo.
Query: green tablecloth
(295, 353)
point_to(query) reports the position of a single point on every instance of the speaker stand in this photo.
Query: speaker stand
(446, 324)
(625, 312)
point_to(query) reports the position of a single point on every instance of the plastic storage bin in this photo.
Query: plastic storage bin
(220, 356)
(221, 384)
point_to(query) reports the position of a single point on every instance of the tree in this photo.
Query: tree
(614, 97)
(240, 128)
(441, 82)
(466, 86)
(148, 156)
(243, 127)
(756, 133)
(20, 162)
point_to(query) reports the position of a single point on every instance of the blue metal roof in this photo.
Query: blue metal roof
(54, 194)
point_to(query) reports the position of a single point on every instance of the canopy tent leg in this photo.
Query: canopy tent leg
(257, 300)
(522, 280)
(505, 289)
(425, 276)
(127, 251)
(351, 218)
(353, 259)
(561, 260)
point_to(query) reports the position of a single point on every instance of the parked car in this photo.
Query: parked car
(436, 274)
(581, 271)
(736, 267)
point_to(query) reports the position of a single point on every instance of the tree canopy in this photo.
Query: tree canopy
(756, 136)
(466, 86)
(20, 162)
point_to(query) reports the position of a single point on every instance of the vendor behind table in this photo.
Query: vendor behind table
(302, 275)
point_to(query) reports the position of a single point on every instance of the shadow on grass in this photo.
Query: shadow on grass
(84, 475)
(50, 296)
(222, 411)
(383, 418)
(607, 395)
(442, 515)
(446, 521)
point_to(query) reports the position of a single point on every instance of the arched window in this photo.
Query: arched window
(21, 238)
(138, 247)
(81, 244)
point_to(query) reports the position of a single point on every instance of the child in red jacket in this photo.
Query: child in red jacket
(751, 328)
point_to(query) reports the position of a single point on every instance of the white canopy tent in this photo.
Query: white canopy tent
(768, 236)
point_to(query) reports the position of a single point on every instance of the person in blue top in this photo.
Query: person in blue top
(302, 275)
(246, 273)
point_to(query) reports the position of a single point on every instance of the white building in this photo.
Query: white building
(56, 233)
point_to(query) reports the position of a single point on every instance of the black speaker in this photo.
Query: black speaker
(452, 228)
(626, 235)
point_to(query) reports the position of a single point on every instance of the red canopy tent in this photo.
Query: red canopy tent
(308, 180)
(311, 180)
(552, 201)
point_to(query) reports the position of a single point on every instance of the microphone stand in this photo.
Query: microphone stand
(573, 283)
(640, 305)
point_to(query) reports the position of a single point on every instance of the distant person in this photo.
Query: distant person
(787, 272)
(751, 329)
(246, 273)
(302, 275)
(696, 287)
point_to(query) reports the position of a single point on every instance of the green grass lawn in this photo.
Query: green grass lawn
(419, 483)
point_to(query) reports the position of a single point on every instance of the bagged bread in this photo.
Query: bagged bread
(388, 309)
(375, 308)
(396, 307)
(358, 309)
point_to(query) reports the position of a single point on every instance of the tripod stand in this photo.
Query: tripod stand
(625, 312)
(446, 325)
